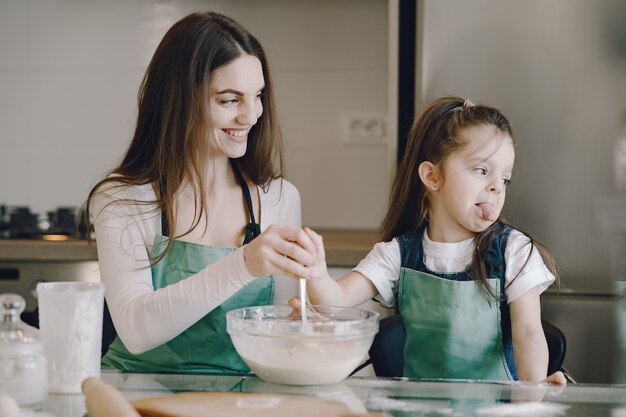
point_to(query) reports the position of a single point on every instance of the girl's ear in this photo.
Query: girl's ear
(429, 174)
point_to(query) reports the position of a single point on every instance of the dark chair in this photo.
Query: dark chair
(387, 351)
(108, 329)
(556, 350)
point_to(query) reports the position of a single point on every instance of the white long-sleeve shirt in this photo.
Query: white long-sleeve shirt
(145, 318)
(382, 265)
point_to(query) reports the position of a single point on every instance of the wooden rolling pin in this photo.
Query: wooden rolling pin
(243, 404)
(104, 400)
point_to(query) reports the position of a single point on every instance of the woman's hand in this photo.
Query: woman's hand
(318, 268)
(282, 250)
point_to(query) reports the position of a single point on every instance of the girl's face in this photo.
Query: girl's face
(235, 104)
(471, 187)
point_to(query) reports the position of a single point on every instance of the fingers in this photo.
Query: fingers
(284, 265)
(294, 252)
(318, 242)
(293, 242)
(294, 302)
(557, 378)
(297, 236)
(284, 250)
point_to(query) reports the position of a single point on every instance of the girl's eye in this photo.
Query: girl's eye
(507, 181)
(481, 170)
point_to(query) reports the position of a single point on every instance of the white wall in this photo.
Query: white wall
(553, 68)
(70, 71)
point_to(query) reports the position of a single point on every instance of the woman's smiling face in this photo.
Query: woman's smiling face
(235, 104)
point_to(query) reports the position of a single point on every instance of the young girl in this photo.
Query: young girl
(196, 218)
(466, 284)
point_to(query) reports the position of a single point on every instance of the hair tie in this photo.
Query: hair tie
(466, 105)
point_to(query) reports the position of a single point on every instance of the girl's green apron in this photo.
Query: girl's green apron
(452, 330)
(205, 346)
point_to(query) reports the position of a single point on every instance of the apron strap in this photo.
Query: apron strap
(252, 229)
(165, 225)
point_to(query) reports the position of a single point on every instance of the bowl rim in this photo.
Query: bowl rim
(332, 328)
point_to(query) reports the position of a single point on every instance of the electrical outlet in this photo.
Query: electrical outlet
(364, 128)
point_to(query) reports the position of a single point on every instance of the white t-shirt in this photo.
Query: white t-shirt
(145, 318)
(382, 265)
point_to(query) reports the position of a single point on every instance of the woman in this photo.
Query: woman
(175, 221)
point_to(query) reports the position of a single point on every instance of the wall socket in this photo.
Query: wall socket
(365, 128)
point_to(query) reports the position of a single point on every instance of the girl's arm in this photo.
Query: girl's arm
(526, 278)
(529, 342)
(350, 290)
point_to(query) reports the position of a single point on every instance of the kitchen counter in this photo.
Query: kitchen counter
(347, 248)
(72, 250)
(397, 397)
(343, 248)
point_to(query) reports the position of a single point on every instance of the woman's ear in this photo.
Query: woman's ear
(429, 174)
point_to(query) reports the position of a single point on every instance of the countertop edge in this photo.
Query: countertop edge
(343, 248)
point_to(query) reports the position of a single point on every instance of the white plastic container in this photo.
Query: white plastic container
(70, 319)
(23, 365)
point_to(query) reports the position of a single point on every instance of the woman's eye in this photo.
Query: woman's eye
(260, 95)
(507, 181)
(481, 170)
(228, 101)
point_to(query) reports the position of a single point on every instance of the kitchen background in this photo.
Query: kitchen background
(70, 70)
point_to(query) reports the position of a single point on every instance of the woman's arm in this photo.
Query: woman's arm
(145, 318)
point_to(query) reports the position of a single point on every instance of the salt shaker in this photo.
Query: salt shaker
(23, 365)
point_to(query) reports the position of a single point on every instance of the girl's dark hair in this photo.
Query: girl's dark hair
(433, 137)
(170, 143)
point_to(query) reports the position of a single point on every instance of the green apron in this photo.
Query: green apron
(452, 331)
(205, 346)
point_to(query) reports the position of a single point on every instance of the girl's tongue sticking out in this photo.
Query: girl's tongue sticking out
(487, 211)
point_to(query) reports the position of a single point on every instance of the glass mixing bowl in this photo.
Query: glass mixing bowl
(275, 344)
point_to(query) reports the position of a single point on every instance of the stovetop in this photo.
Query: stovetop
(19, 222)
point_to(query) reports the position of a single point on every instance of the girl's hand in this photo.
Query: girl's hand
(295, 304)
(282, 250)
(311, 313)
(556, 378)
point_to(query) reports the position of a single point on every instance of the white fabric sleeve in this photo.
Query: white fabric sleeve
(145, 318)
(382, 267)
(520, 275)
(280, 204)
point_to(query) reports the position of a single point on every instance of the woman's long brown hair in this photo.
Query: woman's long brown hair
(433, 137)
(170, 144)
